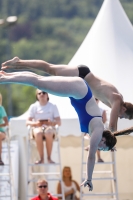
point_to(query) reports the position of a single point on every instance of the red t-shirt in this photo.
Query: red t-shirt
(50, 197)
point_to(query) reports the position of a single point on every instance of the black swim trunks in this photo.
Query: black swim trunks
(83, 71)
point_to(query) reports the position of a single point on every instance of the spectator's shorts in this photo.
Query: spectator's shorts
(42, 129)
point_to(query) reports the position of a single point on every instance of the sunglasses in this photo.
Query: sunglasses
(41, 93)
(42, 186)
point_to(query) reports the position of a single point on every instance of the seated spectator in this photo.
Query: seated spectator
(43, 117)
(70, 186)
(3, 124)
(42, 189)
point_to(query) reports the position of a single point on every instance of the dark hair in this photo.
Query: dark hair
(124, 132)
(110, 139)
(129, 109)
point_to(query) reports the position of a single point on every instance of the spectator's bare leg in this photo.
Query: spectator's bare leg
(49, 143)
(39, 142)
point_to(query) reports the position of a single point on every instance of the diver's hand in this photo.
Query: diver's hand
(88, 183)
(113, 149)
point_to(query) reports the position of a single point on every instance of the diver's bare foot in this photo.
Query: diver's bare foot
(13, 63)
(4, 74)
(3, 77)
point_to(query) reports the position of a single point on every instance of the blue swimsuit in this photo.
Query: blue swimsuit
(79, 105)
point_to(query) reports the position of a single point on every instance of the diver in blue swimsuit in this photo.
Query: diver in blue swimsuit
(81, 99)
(79, 105)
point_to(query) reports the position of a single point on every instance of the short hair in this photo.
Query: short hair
(41, 180)
(110, 139)
(129, 109)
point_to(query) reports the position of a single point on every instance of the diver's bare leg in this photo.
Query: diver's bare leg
(56, 70)
(56, 85)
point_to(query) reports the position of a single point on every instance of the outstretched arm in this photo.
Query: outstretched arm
(94, 141)
(114, 114)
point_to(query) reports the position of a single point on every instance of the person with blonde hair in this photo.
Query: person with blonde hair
(70, 186)
(3, 124)
(42, 189)
(102, 90)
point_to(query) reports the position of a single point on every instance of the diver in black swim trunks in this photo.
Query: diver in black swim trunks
(101, 89)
